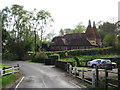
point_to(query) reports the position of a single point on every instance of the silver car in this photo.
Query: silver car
(102, 63)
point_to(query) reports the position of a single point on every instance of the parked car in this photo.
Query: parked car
(102, 63)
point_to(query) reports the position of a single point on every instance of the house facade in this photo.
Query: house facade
(89, 39)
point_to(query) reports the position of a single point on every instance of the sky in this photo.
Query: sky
(68, 13)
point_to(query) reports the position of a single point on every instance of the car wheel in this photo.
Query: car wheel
(94, 65)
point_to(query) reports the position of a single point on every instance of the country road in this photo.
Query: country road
(44, 76)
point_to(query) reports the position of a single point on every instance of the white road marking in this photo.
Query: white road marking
(75, 85)
(19, 83)
(45, 84)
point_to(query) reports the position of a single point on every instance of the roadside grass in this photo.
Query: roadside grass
(6, 80)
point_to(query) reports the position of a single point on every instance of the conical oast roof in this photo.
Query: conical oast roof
(90, 32)
(95, 31)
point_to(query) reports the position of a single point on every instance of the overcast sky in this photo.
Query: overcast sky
(68, 13)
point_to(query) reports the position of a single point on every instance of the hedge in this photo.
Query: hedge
(78, 52)
(53, 58)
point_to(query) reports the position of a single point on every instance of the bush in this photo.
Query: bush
(48, 53)
(40, 58)
(53, 58)
(78, 52)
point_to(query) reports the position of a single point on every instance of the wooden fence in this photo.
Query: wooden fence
(93, 76)
(9, 70)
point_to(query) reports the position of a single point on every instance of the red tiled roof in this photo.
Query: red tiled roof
(72, 41)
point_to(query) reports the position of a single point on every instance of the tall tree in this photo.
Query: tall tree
(79, 29)
(61, 33)
(15, 21)
(41, 20)
(20, 25)
(107, 31)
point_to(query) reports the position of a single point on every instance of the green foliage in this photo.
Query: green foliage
(107, 41)
(54, 57)
(18, 26)
(64, 31)
(48, 53)
(78, 52)
(79, 29)
(108, 33)
(40, 57)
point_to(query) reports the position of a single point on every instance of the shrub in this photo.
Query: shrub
(40, 58)
(48, 53)
(78, 52)
(53, 58)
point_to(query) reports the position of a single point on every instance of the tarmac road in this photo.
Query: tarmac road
(43, 76)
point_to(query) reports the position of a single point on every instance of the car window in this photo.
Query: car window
(103, 61)
(98, 61)
(108, 61)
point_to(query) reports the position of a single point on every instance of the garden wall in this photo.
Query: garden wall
(62, 64)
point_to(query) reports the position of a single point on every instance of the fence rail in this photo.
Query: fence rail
(94, 77)
(9, 70)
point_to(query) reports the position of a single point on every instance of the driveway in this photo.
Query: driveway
(42, 76)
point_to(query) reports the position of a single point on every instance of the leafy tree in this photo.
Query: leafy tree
(40, 22)
(15, 24)
(79, 29)
(18, 26)
(107, 41)
(106, 28)
(61, 33)
(64, 31)
(50, 36)
(108, 34)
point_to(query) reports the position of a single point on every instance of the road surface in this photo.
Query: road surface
(43, 76)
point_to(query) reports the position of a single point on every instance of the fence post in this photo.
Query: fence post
(106, 81)
(118, 78)
(75, 71)
(93, 78)
(83, 73)
(1, 72)
(13, 70)
(70, 68)
(86, 63)
(18, 67)
(97, 76)
(67, 67)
